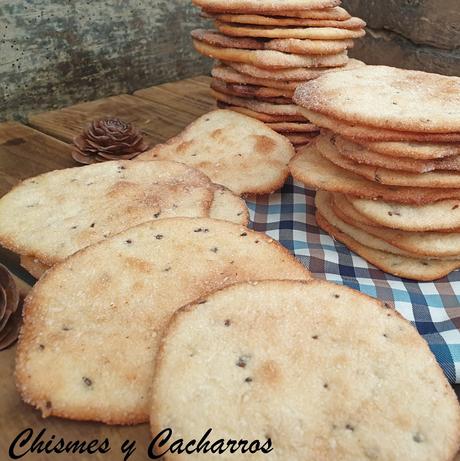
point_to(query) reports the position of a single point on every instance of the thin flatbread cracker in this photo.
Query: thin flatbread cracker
(321, 358)
(299, 139)
(312, 169)
(225, 205)
(321, 47)
(444, 214)
(229, 75)
(258, 6)
(259, 20)
(92, 324)
(407, 100)
(51, 216)
(371, 237)
(215, 38)
(257, 106)
(249, 91)
(436, 245)
(236, 151)
(367, 133)
(360, 154)
(267, 118)
(228, 206)
(415, 150)
(269, 58)
(337, 13)
(293, 127)
(297, 74)
(312, 33)
(420, 270)
(434, 179)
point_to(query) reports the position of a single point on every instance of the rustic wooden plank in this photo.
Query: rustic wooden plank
(161, 116)
(191, 96)
(25, 152)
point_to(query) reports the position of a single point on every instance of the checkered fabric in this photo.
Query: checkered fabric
(433, 308)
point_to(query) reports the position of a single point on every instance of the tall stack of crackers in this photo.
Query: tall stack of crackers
(387, 164)
(265, 49)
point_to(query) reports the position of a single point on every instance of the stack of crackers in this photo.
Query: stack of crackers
(387, 162)
(265, 49)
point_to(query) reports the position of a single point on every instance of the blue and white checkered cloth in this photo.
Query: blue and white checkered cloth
(434, 308)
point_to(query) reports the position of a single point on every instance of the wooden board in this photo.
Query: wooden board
(160, 112)
(25, 152)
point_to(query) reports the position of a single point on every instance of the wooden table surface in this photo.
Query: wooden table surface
(160, 112)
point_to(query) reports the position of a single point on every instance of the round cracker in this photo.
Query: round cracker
(434, 179)
(415, 150)
(259, 6)
(298, 139)
(259, 20)
(287, 127)
(312, 169)
(323, 202)
(275, 100)
(362, 155)
(368, 133)
(336, 13)
(258, 106)
(297, 74)
(315, 33)
(341, 201)
(444, 214)
(421, 270)
(214, 38)
(51, 216)
(407, 100)
(249, 91)
(333, 14)
(267, 118)
(87, 339)
(225, 206)
(279, 355)
(268, 58)
(436, 245)
(229, 75)
(228, 206)
(322, 47)
(236, 151)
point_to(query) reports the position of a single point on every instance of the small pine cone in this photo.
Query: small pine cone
(108, 139)
(10, 311)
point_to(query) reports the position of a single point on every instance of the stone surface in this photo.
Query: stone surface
(56, 53)
(416, 34)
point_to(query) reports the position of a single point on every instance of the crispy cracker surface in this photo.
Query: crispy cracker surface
(92, 323)
(51, 216)
(407, 100)
(312, 169)
(276, 360)
(233, 150)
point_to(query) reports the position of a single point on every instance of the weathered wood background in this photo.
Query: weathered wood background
(414, 34)
(54, 53)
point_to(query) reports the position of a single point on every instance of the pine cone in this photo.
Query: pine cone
(10, 313)
(108, 139)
